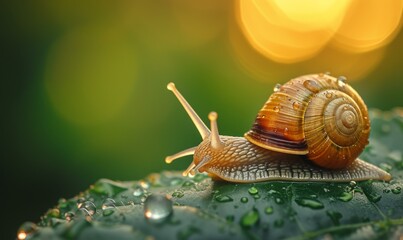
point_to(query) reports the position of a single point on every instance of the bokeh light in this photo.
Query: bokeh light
(293, 31)
(90, 74)
(369, 24)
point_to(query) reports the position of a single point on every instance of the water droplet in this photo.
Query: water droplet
(138, 191)
(88, 207)
(346, 196)
(279, 200)
(26, 229)
(157, 208)
(314, 204)
(268, 210)
(276, 109)
(397, 190)
(296, 105)
(144, 184)
(178, 194)
(250, 218)
(342, 79)
(386, 190)
(223, 198)
(69, 216)
(285, 131)
(244, 200)
(277, 87)
(253, 191)
(326, 190)
(80, 202)
(256, 196)
(329, 95)
(312, 86)
(334, 216)
(109, 203)
(54, 213)
(320, 74)
(353, 184)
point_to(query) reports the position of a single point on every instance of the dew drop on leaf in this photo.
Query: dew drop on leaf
(253, 191)
(311, 203)
(223, 198)
(346, 196)
(157, 208)
(250, 218)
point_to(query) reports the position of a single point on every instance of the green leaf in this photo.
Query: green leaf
(200, 208)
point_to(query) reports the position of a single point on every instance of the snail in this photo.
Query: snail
(312, 128)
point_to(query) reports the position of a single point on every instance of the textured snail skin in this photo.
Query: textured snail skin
(241, 161)
(315, 115)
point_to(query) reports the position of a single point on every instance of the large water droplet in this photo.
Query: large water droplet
(329, 95)
(26, 229)
(311, 203)
(88, 207)
(157, 208)
(109, 203)
(223, 198)
(250, 218)
(253, 191)
(285, 132)
(346, 196)
(277, 87)
(312, 86)
(276, 109)
(244, 200)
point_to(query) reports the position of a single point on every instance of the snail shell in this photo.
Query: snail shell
(314, 115)
(311, 129)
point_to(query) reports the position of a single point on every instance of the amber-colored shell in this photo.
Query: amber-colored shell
(317, 115)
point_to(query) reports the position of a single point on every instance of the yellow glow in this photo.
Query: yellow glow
(354, 66)
(369, 24)
(90, 74)
(22, 235)
(276, 29)
(289, 31)
(312, 14)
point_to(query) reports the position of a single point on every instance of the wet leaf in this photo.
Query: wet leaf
(200, 208)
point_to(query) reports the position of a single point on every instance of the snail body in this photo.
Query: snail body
(312, 128)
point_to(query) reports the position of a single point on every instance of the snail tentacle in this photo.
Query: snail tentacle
(201, 127)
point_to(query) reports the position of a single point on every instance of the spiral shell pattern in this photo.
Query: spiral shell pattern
(315, 115)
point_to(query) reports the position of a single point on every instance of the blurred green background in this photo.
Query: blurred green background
(84, 84)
